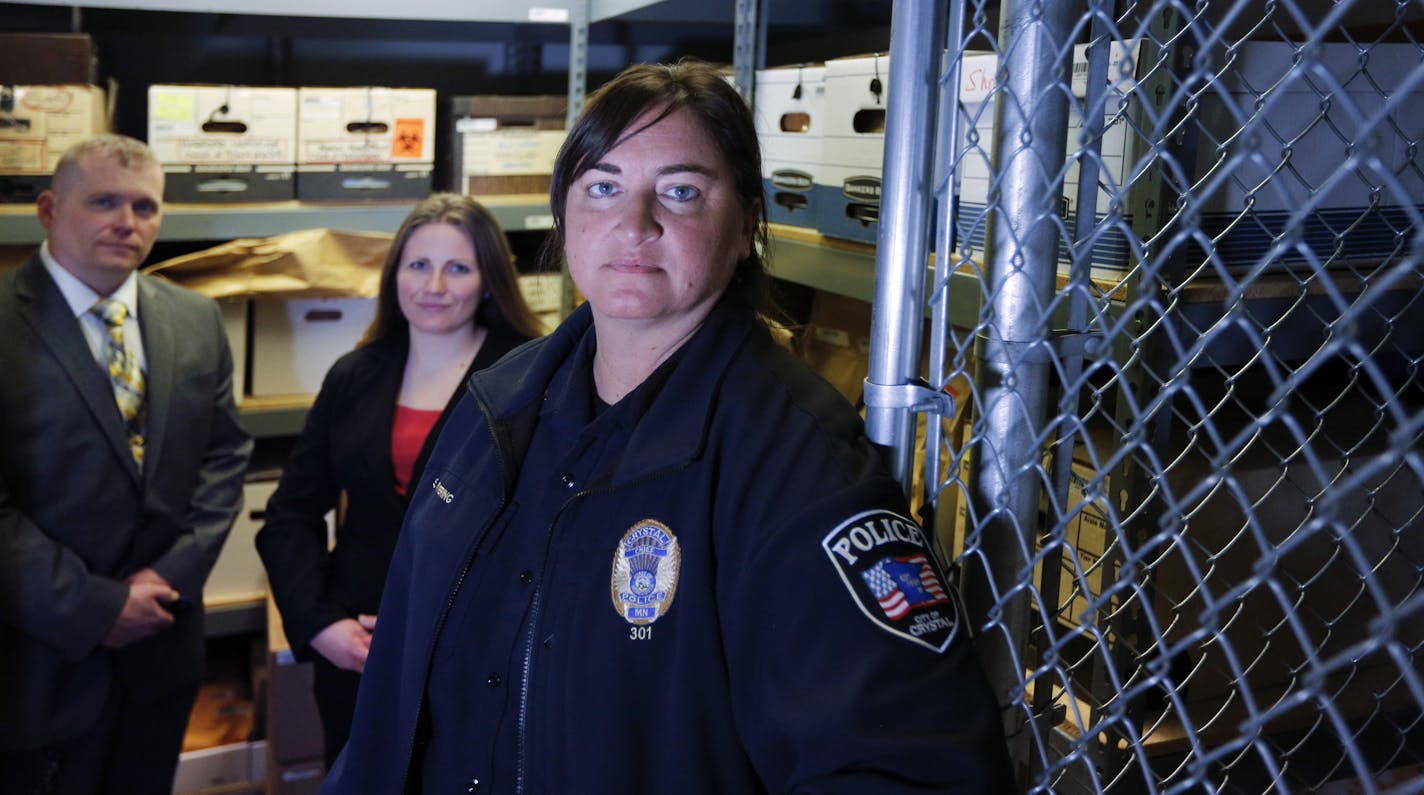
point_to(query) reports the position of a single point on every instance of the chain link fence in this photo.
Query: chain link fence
(1179, 300)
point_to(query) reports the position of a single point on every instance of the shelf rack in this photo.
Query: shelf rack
(222, 222)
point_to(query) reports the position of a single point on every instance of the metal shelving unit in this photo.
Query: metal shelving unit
(194, 222)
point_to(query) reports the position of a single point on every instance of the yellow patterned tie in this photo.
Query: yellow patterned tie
(124, 373)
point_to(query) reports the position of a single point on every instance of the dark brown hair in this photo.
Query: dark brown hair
(502, 302)
(689, 84)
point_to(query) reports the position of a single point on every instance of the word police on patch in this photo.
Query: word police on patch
(646, 564)
(890, 571)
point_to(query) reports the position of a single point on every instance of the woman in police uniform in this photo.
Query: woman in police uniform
(653, 552)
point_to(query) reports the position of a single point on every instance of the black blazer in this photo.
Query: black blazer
(77, 516)
(345, 446)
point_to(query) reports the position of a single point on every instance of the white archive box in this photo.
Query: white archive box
(239, 574)
(1289, 133)
(224, 143)
(234, 315)
(296, 340)
(790, 124)
(1271, 135)
(369, 142)
(979, 85)
(37, 123)
(232, 768)
(853, 146)
(506, 144)
(544, 293)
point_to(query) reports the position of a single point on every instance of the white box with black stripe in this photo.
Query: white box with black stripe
(853, 149)
(790, 122)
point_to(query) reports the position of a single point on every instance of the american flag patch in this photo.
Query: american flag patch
(886, 563)
(901, 584)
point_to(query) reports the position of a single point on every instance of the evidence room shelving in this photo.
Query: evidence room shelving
(20, 227)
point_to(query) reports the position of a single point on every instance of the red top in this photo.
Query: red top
(408, 434)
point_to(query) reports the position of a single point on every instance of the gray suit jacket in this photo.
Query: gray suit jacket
(77, 516)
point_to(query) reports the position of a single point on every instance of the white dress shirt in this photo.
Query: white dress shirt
(81, 299)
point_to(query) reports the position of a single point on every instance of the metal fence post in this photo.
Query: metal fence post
(1021, 253)
(902, 251)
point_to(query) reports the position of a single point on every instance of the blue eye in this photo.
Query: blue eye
(416, 265)
(145, 208)
(600, 189)
(460, 268)
(682, 193)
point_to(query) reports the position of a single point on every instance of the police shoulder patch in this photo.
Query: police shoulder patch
(887, 565)
(646, 564)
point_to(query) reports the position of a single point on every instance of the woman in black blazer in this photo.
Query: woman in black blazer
(449, 304)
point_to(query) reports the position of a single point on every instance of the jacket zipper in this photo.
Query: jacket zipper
(450, 598)
(521, 740)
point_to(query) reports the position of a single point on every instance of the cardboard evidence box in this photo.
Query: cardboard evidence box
(1275, 141)
(979, 88)
(1204, 556)
(853, 148)
(1270, 138)
(295, 754)
(367, 143)
(296, 340)
(236, 325)
(506, 144)
(224, 143)
(48, 58)
(239, 574)
(232, 769)
(37, 123)
(790, 123)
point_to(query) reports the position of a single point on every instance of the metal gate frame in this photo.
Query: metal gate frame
(1088, 725)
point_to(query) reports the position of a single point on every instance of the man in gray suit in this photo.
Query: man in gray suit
(121, 467)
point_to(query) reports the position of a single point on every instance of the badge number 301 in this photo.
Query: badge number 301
(640, 633)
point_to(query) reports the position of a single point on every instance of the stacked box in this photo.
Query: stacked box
(790, 123)
(506, 144)
(853, 147)
(296, 340)
(43, 59)
(235, 324)
(233, 769)
(295, 751)
(224, 143)
(979, 85)
(370, 143)
(1256, 168)
(544, 293)
(238, 575)
(37, 123)
(1295, 153)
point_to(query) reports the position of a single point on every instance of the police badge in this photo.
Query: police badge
(888, 567)
(645, 569)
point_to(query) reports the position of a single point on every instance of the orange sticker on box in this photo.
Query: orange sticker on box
(409, 138)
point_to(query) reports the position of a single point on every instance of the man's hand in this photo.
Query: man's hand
(346, 643)
(143, 614)
(147, 575)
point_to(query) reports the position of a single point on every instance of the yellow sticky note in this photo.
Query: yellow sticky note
(171, 107)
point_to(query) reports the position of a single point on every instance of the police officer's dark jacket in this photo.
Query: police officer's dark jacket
(737, 604)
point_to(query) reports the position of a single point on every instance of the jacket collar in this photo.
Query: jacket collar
(44, 308)
(674, 423)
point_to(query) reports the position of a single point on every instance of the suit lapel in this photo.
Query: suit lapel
(159, 341)
(387, 371)
(44, 310)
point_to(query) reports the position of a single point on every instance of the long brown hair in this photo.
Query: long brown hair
(700, 88)
(502, 302)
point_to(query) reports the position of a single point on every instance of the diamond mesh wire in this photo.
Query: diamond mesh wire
(1222, 588)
